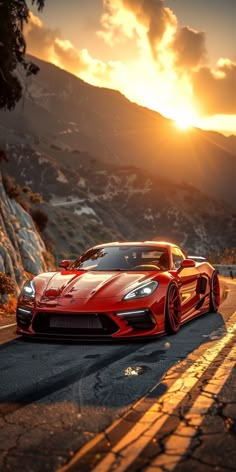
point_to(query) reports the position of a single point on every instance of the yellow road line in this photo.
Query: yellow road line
(131, 445)
(178, 443)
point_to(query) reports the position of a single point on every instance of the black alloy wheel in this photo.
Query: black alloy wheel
(172, 309)
(214, 293)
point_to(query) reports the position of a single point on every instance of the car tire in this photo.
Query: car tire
(172, 309)
(214, 293)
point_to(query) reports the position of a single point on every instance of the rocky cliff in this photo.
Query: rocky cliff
(21, 247)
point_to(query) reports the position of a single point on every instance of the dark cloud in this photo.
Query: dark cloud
(154, 16)
(216, 89)
(189, 46)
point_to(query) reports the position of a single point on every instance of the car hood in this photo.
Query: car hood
(90, 285)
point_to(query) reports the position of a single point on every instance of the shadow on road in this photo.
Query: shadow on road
(35, 369)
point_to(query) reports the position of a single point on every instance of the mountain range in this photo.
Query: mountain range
(110, 169)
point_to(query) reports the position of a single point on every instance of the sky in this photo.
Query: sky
(177, 57)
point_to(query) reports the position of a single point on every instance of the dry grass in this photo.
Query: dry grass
(9, 307)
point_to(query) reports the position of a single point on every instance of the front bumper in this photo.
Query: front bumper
(53, 324)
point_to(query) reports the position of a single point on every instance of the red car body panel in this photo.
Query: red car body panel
(90, 303)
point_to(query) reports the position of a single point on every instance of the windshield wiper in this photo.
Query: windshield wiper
(116, 269)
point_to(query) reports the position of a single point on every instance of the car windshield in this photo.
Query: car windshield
(123, 258)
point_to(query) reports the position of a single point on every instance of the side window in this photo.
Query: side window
(177, 257)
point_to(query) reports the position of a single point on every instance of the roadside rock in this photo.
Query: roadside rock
(21, 247)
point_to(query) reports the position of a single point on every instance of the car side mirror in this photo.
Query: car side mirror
(187, 263)
(64, 264)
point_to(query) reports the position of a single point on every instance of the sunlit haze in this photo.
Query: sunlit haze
(164, 55)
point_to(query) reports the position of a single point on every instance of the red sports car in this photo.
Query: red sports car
(119, 290)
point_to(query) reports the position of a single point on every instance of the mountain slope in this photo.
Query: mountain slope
(89, 201)
(61, 110)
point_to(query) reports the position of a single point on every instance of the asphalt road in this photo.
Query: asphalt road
(166, 404)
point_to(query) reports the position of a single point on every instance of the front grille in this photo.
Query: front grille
(77, 324)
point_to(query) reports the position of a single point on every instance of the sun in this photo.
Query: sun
(183, 123)
(185, 119)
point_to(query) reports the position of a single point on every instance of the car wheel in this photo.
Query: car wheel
(172, 310)
(214, 293)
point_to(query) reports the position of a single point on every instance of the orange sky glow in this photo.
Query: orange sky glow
(167, 69)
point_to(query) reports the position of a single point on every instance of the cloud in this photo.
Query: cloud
(48, 45)
(68, 57)
(40, 39)
(166, 53)
(152, 21)
(216, 88)
(178, 54)
(189, 47)
(168, 69)
(154, 17)
(117, 24)
(142, 19)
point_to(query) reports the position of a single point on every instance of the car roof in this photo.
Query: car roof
(158, 244)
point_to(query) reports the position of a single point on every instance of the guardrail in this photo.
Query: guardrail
(228, 270)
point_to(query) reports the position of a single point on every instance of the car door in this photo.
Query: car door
(188, 282)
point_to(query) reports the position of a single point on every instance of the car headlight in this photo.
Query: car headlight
(142, 291)
(28, 290)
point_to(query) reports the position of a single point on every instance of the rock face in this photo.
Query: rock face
(21, 247)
